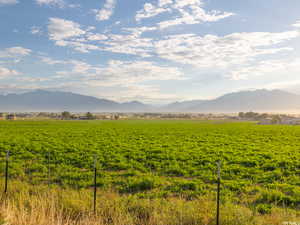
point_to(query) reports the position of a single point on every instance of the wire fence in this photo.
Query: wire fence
(38, 170)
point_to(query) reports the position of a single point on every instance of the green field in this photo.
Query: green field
(155, 159)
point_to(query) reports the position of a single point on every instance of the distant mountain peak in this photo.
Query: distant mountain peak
(45, 100)
(252, 100)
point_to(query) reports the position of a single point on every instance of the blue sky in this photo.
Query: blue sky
(155, 51)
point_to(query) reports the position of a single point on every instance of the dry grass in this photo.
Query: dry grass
(40, 205)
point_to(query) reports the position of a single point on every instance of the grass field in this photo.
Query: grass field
(160, 159)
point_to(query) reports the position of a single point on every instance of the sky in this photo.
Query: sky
(155, 51)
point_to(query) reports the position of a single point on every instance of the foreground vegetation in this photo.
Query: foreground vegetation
(32, 205)
(159, 168)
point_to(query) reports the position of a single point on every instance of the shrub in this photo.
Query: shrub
(135, 185)
(264, 209)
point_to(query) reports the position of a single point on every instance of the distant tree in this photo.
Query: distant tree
(251, 115)
(241, 114)
(74, 117)
(42, 114)
(90, 116)
(263, 116)
(2, 116)
(276, 119)
(66, 115)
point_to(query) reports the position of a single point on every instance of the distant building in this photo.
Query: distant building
(2, 116)
(291, 121)
(277, 120)
(11, 117)
(265, 121)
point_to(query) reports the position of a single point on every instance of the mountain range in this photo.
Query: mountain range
(57, 101)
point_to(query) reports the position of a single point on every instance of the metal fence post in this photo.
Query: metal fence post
(6, 172)
(95, 184)
(218, 192)
(49, 172)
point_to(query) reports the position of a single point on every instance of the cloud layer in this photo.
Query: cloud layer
(186, 12)
(8, 2)
(150, 50)
(4, 72)
(14, 52)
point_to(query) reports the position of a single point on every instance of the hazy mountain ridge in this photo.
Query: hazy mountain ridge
(56, 101)
(182, 106)
(40, 100)
(258, 100)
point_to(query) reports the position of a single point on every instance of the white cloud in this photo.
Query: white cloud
(181, 4)
(57, 3)
(107, 11)
(162, 3)
(35, 30)
(14, 52)
(185, 12)
(292, 85)
(51, 61)
(148, 11)
(121, 72)
(66, 33)
(80, 67)
(117, 72)
(212, 51)
(138, 31)
(60, 29)
(192, 12)
(297, 24)
(209, 51)
(74, 5)
(129, 44)
(96, 37)
(33, 79)
(198, 16)
(4, 72)
(77, 45)
(267, 68)
(18, 51)
(8, 2)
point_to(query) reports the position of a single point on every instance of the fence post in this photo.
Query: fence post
(6, 172)
(218, 192)
(48, 162)
(95, 184)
